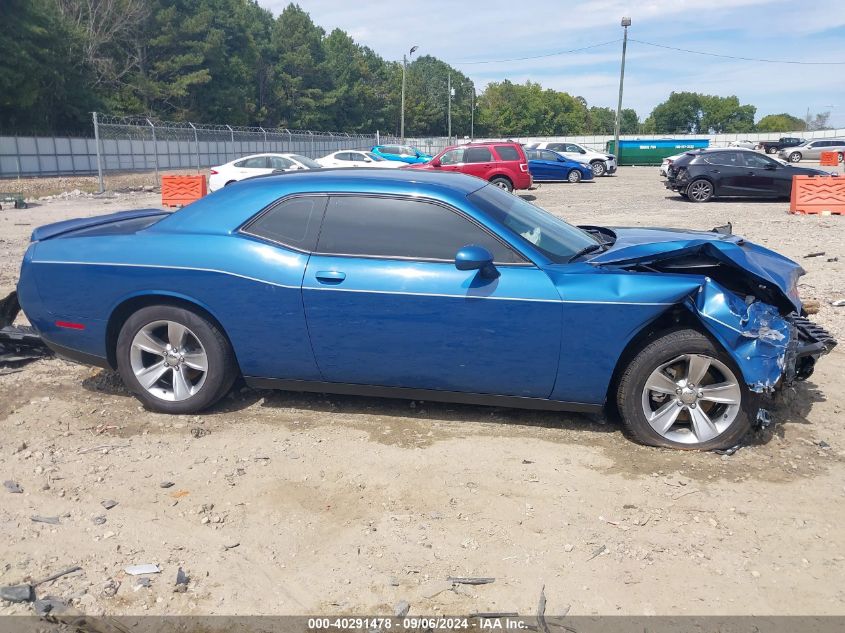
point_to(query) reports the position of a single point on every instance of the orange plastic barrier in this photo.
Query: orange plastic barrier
(181, 190)
(829, 159)
(818, 195)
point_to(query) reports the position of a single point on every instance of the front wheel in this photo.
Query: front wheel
(502, 183)
(174, 360)
(681, 391)
(598, 168)
(840, 157)
(700, 190)
(771, 150)
(794, 157)
(574, 176)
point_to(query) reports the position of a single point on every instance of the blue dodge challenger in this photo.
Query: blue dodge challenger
(424, 285)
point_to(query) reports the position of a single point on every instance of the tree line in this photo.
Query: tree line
(233, 62)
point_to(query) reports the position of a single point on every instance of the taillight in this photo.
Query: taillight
(213, 172)
(523, 167)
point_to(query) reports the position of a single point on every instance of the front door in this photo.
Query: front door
(385, 304)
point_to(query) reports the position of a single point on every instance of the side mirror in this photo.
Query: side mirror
(474, 257)
(582, 151)
(368, 160)
(770, 166)
(435, 162)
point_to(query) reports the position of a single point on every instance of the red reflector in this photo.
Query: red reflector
(213, 172)
(69, 325)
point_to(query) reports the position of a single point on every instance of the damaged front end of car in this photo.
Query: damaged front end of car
(743, 294)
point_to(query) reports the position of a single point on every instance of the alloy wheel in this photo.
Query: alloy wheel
(574, 176)
(691, 399)
(700, 190)
(598, 169)
(168, 360)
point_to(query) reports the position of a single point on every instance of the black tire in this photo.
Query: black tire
(771, 150)
(700, 190)
(840, 157)
(632, 385)
(795, 157)
(502, 183)
(220, 359)
(599, 168)
(574, 176)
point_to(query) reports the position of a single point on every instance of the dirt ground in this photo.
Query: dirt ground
(299, 504)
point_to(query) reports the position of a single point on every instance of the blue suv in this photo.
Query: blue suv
(403, 153)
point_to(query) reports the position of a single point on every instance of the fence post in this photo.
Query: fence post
(232, 136)
(18, 157)
(196, 145)
(99, 162)
(155, 148)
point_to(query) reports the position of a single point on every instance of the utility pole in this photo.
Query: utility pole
(449, 107)
(404, 70)
(626, 22)
(472, 116)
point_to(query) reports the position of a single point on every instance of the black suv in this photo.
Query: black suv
(710, 173)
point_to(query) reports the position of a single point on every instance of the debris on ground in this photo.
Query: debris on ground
(401, 609)
(39, 519)
(108, 504)
(166, 484)
(98, 520)
(816, 254)
(57, 575)
(143, 582)
(18, 343)
(541, 611)
(811, 306)
(49, 605)
(17, 593)
(199, 432)
(144, 568)
(598, 552)
(181, 581)
(728, 451)
(838, 303)
(13, 487)
(470, 581)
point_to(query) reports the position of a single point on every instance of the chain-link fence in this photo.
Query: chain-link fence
(131, 144)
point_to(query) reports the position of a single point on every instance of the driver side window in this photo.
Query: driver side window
(452, 157)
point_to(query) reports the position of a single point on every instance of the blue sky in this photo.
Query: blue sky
(459, 31)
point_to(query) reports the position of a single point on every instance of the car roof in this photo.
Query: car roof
(229, 207)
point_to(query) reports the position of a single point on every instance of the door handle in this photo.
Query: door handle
(330, 276)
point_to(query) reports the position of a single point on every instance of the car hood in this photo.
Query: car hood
(806, 171)
(756, 270)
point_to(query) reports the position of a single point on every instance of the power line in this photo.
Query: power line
(519, 59)
(746, 59)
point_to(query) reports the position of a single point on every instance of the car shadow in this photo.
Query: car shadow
(679, 198)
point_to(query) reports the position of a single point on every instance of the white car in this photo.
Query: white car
(257, 165)
(664, 166)
(744, 144)
(358, 158)
(602, 164)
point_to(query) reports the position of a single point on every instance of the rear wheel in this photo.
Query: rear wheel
(700, 190)
(502, 183)
(682, 391)
(794, 157)
(574, 176)
(174, 360)
(598, 168)
(771, 150)
(840, 157)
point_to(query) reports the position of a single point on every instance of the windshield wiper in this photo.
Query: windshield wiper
(585, 251)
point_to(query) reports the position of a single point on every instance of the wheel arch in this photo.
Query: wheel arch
(493, 177)
(131, 304)
(708, 179)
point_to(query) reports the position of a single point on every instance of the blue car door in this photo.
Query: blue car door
(385, 304)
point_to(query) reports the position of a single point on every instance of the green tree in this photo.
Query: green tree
(690, 112)
(725, 114)
(781, 123)
(427, 98)
(508, 109)
(42, 85)
(679, 114)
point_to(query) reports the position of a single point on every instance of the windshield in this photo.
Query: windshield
(308, 162)
(373, 156)
(553, 237)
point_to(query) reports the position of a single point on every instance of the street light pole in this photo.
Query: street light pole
(472, 116)
(404, 70)
(626, 22)
(449, 107)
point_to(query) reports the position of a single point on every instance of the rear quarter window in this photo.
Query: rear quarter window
(293, 222)
(507, 152)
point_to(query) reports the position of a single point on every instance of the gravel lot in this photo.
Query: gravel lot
(289, 504)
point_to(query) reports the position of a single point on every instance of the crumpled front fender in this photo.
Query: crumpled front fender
(754, 333)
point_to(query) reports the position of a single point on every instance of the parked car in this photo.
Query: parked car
(404, 153)
(773, 147)
(712, 173)
(438, 287)
(502, 163)
(813, 149)
(357, 158)
(544, 165)
(602, 164)
(257, 165)
(667, 162)
(746, 144)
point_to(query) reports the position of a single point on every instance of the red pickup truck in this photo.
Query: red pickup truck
(502, 163)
